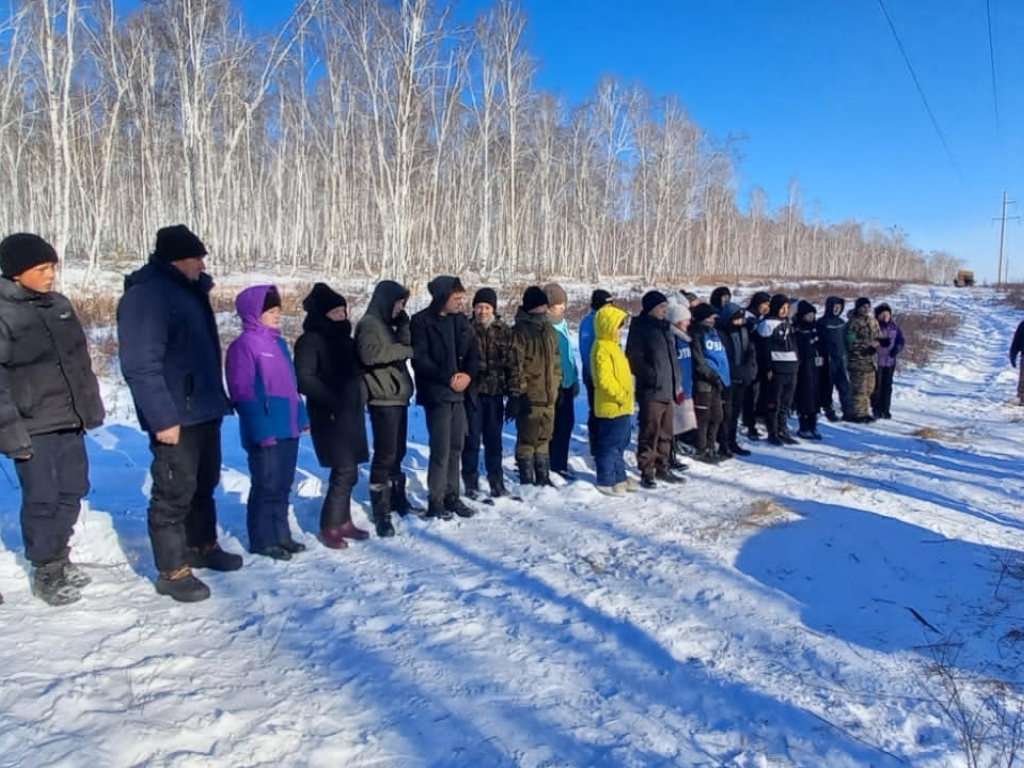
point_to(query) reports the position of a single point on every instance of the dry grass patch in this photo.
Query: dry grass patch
(927, 433)
(765, 513)
(925, 333)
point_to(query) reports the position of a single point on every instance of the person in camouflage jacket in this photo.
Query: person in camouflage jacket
(862, 334)
(535, 343)
(497, 378)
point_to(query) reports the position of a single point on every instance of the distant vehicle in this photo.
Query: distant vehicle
(964, 279)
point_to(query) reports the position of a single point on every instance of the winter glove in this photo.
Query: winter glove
(1013, 361)
(885, 341)
(267, 442)
(516, 406)
(575, 390)
(680, 397)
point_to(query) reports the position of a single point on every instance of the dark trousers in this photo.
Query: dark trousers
(561, 436)
(592, 421)
(390, 427)
(446, 425)
(484, 419)
(181, 509)
(708, 407)
(839, 378)
(881, 399)
(750, 398)
(612, 439)
(732, 406)
(272, 469)
(53, 483)
(779, 402)
(654, 443)
(337, 508)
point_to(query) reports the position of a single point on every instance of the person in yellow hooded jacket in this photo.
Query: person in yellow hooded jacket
(614, 398)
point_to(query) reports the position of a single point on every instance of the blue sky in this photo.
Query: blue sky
(821, 92)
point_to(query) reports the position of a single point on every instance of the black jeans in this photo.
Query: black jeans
(561, 436)
(446, 425)
(272, 469)
(182, 512)
(337, 508)
(484, 419)
(708, 407)
(779, 402)
(881, 399)
(390, 427)
(732, 405)
(53, 483)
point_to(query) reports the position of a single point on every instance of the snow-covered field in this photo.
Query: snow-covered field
(822, 605)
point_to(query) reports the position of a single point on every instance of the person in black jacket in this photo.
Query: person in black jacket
(328, 373)
(834, 374)
(651, 349)
(445, 360)
(171, 359)
(777, 359)
(757, 308)
(49, 396)
(1016, 348)
(812, 368)
(735, 336)
(384, 347)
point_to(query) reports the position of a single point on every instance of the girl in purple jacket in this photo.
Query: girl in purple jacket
(890, 344)
(264, 392)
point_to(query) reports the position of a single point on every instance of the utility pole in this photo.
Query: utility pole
(1000, 276)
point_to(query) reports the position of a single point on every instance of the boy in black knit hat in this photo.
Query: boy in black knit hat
(43, 417)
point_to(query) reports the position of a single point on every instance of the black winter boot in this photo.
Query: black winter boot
(436, 508)
(772, 422)
(527, 475)
(51, 586)
(458, 506)
(399, 499)
(497, 483)
(380, 508)
(213, 557)
(542, 469)
(182, 586)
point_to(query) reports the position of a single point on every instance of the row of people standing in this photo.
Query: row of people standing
(472, 377)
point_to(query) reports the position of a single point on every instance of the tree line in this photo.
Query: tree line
(379, 137)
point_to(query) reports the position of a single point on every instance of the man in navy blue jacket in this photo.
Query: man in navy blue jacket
(171, 359)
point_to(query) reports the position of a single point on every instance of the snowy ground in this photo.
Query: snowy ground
(790, 609)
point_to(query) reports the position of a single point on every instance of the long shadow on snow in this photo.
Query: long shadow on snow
(790, 461)
(888, 585)
(626, 661)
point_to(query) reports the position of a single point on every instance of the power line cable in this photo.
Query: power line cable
(920, 91)
(995, 90)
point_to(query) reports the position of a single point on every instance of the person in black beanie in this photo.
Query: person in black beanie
(535, 342)
(170, 355)
(446, 361)
(651, 350)
(757, 309)
(43, 416)
(598, 299)
(487, 408)
(327, 368)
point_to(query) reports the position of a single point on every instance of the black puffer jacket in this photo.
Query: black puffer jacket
(46, 379)
(651, 350)
(329, 376)
(384, 346)
(443, 345)
(738, 345)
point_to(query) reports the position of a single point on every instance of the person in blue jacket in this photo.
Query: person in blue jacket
(170, 356)
(598, 299)
(710, 380)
